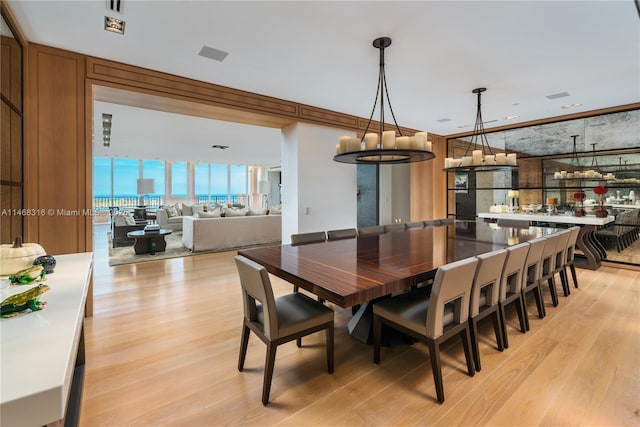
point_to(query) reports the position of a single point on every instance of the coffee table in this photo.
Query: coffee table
(149, 242)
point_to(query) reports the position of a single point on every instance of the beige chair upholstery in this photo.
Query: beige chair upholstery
(531, 278)
(447, 221)
(277, 320)
(571, 252)
(345, 233)
(432, 223)
(371, 231)
(306, 238)
(394, 227)
(511, 286)
(485, 295)
(548, 265)
(513, 223)
(432, 319)
(414, 224)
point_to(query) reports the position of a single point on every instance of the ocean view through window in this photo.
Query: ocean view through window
(114, 182)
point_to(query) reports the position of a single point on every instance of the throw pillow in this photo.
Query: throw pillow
(235, 212)
(213, 214)
(129, 219)
(187, 210)
(254, 212)
(171, 211)
(275, 211)
(196, 209)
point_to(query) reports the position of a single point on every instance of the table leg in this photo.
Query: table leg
(590, 247)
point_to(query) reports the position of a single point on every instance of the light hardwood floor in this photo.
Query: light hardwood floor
(163, 343)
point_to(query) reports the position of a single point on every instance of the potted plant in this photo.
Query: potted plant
(579, 210)
(600, 190)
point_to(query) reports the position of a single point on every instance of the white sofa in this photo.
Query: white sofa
(174, 223)
(218, 234)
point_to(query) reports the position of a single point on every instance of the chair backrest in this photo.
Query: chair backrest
(533, 263)
(548, 261)
(571, 246)
(394, 227)
(370, 231)
(452, 284)
(561, 249)
(414, 224)
(511, 281)
(514, 223)
(345, 233)
(487, 278)
(305, 238)
(447, 221)
(256, 286)
(432, 222)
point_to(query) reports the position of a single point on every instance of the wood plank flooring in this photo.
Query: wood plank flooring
(163, 343)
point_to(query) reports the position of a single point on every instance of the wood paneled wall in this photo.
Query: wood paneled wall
(428, 184)
(56, 152)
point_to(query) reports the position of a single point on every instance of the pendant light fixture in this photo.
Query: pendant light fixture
(483, 159)
(383, 147)
(576, 172)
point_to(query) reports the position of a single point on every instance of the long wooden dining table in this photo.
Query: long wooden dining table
(352, 272)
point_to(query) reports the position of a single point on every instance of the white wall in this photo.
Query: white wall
(317, 192)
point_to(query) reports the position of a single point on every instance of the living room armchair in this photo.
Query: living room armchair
(121, 227)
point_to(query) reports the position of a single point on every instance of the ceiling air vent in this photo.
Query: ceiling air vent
(212, 53)
(557, 95)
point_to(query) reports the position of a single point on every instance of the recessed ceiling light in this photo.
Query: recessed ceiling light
(511, 117)
(443, 120)
(114, 25)
(464, 126)
(220, 147)
(571, 105)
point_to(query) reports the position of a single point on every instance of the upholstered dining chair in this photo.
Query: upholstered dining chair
(531, 278)
(432, 319)
(485, 295)
(414, 224)
(277, 320)
(447, 221)
(394, 227)
(306, 238)
(345, 233)
(432, 222)
(561, 260)
(547, 265)
(511, 285)
(571, 253)
(371, 231)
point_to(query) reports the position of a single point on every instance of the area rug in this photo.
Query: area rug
(126, 255)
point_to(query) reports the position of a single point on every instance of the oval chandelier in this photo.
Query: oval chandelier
(383, 147)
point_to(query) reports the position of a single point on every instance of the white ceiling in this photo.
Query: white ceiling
(320, 53)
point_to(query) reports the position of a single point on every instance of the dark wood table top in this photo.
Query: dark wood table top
(149, 234)
(352, 271)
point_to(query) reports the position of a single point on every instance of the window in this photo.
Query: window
(125, 177)
(219, 183)
(238, 180)
(179, 179)
(201, 181)
(154, 169)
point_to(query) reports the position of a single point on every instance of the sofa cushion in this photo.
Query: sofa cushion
(187, 210)
(275, 211)
(171, 211)
(129, 219)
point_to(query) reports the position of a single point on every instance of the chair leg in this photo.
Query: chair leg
(330, 349)
(299, 342)
(473, 328)
(539, 302)
(497, 329)
(436, 367)
(565, 283)
(466, 345)
(244, 341)
(521, 314)
(573, 275)
(526, 310)
(503, 321)
(552, 289)
(377, 336)
(268, 371)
